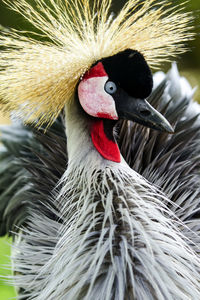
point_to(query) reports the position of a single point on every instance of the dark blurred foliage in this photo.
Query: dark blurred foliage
(190, 60)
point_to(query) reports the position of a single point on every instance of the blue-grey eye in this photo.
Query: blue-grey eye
(110, 87)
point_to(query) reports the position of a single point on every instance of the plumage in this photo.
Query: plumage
(173, 168)
(87, 223)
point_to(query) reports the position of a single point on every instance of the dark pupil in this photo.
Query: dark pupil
(110, 87)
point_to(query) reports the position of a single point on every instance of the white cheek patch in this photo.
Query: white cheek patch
(94, 99)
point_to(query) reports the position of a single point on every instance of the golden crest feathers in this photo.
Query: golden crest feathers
(38, 78)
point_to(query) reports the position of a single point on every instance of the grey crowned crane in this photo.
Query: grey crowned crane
(99, 194)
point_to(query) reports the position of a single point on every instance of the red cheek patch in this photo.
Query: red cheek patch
(96, 71)
(104, 116)
(92, 95)
(94, 99)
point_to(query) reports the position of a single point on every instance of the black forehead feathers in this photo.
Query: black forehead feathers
(130, 71)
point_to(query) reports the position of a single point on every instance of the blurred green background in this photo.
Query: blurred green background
(188, 64)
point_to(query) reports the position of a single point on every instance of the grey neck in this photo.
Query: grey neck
(81, 150)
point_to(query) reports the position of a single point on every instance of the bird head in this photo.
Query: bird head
(117, 87)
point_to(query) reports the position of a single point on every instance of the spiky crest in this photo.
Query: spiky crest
(38, 78)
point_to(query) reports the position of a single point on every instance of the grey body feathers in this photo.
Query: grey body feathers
(91, 229)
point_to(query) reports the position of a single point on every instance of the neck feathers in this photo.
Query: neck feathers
(116, 238)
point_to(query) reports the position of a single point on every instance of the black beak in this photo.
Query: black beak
(140, 111)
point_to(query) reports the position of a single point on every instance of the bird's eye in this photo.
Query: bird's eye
(110, 87)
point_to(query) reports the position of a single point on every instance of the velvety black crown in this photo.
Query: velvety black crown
(131, 72)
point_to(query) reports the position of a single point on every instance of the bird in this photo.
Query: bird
(99, 169)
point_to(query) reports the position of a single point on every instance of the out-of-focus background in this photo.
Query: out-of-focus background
(188, 64)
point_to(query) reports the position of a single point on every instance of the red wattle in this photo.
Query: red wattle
(107, 148)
